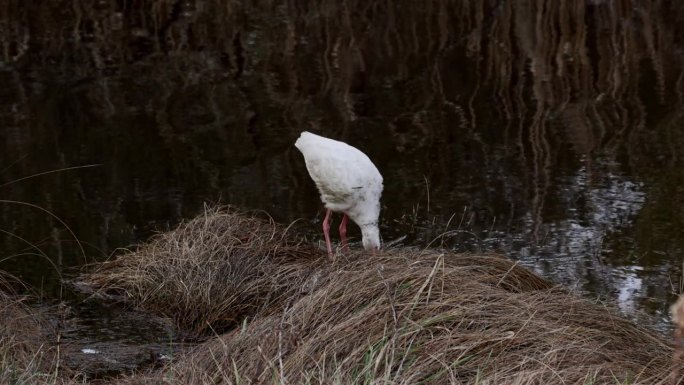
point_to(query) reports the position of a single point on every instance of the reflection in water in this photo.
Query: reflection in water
(629, 288)
(577, 249)
(547, 130)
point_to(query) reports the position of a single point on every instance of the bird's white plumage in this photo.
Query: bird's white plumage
(347, 180)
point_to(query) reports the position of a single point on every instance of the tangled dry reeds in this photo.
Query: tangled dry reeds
(213, 271)
(28, 352)
(403, 317)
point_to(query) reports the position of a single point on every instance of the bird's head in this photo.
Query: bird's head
(371, 236)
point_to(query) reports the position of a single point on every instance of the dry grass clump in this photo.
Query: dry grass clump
(402, 317)
(428, 318)
(677, 310)
(213, 271)
(28, 354)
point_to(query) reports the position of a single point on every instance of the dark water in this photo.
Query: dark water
(550, 131)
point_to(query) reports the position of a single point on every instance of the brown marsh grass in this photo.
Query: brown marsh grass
(29, 350)
(677, 311)
(403, 317)
(213, 271)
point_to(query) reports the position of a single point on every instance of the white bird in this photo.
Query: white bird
(348, 183)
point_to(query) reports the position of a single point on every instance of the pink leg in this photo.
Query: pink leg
(343, 232)
(326, 232)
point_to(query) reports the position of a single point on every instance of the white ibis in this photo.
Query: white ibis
(348, 183)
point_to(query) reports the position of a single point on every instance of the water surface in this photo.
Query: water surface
(549, 131)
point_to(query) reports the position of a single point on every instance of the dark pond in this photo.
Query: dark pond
(548, 130)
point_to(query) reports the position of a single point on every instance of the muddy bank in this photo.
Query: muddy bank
(58, 342)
